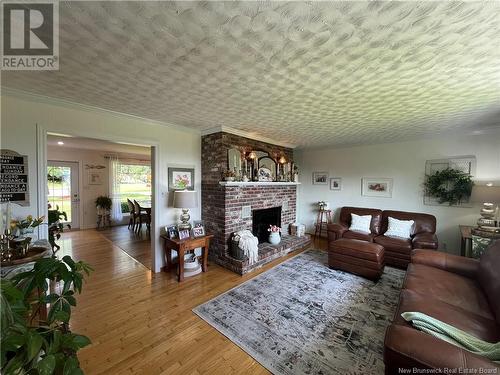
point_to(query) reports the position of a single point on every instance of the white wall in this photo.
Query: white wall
(21, 114)
(405, 163)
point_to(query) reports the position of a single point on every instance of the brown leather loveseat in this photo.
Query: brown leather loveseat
(459, 291)
(397, 250)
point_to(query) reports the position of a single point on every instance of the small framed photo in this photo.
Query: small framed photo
(320, 178)
(376, 187)
(183, 234)
(198, 228)
(172, 231)
(336, 183)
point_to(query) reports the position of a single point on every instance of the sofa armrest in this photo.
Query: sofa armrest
(425, 241)
(452, 263)
(407, 348)
(336, 231)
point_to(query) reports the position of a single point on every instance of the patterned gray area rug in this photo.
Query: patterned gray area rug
(301, 317)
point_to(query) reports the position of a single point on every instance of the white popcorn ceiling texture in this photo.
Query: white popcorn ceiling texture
(307, 73)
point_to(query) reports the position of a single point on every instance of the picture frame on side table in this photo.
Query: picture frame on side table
(183, 234)
(198, 228)
(180, 178)
(376, 187)
(320, 178)
(336, 183)
(172, 231)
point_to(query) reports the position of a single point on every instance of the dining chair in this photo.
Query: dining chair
(131, 221)
(141, 217)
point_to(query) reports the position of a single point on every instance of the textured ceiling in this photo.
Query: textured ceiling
(307, 73)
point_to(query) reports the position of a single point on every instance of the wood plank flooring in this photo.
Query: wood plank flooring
(137, 245)
(141, 323)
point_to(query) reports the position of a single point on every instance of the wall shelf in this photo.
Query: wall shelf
(257, 183)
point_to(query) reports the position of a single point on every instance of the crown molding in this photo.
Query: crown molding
(250, 135)
(21, 94)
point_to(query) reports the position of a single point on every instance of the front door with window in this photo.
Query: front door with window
(62, 181)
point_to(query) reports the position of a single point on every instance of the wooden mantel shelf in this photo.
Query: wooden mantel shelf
(255, 183)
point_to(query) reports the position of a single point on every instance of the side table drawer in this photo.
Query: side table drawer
(197, 242)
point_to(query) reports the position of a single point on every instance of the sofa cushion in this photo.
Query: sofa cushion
(477, 325)
(423, 222)
(451, 288)
(345, 217)
(360, 223)
(353, 235)
(399, 245)
(399, 228)
(489, 276)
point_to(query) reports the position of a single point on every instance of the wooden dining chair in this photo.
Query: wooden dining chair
(131, 221)
(141, 217)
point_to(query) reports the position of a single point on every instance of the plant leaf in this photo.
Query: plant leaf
(70, 365)
(35, 342)
(47, 365)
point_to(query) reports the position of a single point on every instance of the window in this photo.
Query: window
(135, 183)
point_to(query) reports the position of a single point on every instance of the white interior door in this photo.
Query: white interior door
(63, 189)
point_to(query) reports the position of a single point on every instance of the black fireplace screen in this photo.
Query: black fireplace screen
(262, 219)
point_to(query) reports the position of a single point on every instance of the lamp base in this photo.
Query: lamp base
(184, 220)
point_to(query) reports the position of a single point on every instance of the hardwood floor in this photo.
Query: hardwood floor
(141, 323)
(137, 245)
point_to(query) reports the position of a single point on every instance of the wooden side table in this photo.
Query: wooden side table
(183, 246)
(324, 218)
(466, 236)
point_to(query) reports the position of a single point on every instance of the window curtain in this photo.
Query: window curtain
(114, 189)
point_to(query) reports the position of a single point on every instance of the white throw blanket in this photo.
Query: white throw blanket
(249, 244)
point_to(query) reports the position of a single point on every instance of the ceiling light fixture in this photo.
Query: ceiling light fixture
(60, 143)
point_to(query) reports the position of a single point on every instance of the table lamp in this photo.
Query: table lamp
(185, 199)
(487, 193)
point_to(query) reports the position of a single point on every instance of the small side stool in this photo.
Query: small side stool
(324, 218)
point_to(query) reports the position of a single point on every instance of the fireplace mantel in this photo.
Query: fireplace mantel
(255, 183)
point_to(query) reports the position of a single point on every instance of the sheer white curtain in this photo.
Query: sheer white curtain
(114, 189)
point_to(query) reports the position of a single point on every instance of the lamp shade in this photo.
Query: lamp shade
(483, 193)
(185, 199)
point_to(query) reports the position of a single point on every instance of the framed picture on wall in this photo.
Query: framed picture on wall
(320, 178)
(336, 183)
(376, 187)
(94, 177)
(180, 178)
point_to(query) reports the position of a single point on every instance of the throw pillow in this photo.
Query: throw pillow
(360, 223)
(399, 228)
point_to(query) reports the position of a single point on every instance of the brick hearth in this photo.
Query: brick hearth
(222, 205)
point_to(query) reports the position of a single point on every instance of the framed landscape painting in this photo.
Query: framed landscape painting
(180, 178)
(376, 187)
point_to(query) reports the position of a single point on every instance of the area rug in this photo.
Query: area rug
(301, 317)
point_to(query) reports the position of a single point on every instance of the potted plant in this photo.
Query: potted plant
(103, 202)
(34, 341)
(26, 226)
(274, 234)
(56, 227)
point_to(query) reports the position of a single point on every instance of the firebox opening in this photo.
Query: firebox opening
(262, 219)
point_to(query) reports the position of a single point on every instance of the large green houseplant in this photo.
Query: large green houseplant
(31, 345)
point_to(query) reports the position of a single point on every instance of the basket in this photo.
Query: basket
(236, 252)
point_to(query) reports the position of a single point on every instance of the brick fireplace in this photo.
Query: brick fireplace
(230, 207)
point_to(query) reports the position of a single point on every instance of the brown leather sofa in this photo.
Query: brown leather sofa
(462, 292)
(397, 250)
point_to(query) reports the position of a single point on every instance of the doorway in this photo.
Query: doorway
(63, 190)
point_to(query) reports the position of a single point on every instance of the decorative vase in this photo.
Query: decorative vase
(274, 238)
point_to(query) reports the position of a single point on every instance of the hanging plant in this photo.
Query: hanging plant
(449, 185)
